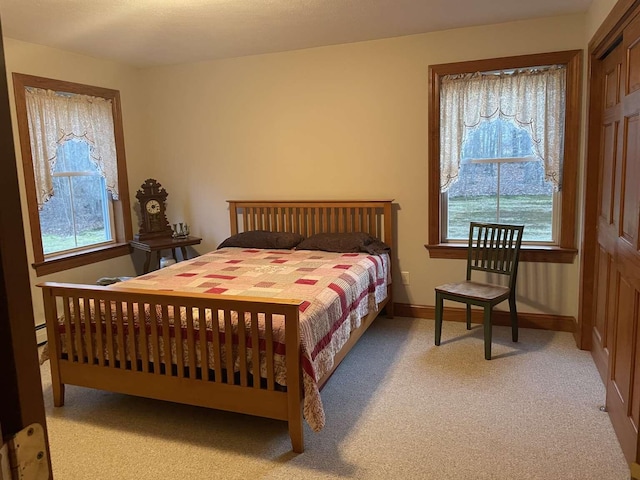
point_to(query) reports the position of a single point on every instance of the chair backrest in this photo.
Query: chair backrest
(494, 248)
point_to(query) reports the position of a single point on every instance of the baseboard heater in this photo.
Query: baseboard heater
(41, 333)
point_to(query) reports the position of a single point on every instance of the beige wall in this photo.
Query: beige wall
(33, 59)
(596, 14)
(345, 121)
(339, 122)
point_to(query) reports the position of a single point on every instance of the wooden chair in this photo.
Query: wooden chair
(493, 248)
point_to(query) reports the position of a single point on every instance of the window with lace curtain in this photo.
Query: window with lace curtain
(73, 159)
(504, 149)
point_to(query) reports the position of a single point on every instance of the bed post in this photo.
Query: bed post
(294, 378)
(233, 216)
(53, 343)
(388, 239)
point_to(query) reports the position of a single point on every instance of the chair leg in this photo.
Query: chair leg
(487, 332)
(468, 317)
(439, 302)
(514, 319)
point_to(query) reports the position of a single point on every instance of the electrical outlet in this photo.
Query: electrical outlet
(405, 278)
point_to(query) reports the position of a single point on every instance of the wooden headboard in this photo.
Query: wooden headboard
(310, 217)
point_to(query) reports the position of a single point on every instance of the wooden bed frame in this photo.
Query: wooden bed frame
(184, 382)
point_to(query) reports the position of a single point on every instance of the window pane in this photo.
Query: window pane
(524, 198)
(515, 141)
(89, 208)
(473, 198)
(73, 156)
(78, 214)
(56, 219)
(497, 138)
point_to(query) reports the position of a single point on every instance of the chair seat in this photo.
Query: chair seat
(475, 290)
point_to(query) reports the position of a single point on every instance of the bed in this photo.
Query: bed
(165, 335)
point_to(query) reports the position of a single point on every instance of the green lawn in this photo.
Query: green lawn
(534, 211)
(58, 243)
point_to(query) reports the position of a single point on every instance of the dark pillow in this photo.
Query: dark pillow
(263, 239)
(344, 243)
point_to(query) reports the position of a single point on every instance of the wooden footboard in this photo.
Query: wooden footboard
(165, 361)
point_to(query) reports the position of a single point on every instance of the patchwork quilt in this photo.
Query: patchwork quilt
(336, 289)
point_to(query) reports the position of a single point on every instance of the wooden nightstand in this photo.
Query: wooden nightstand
(158, 244)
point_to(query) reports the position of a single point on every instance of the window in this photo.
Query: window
(73, 158)
(500, 180)
(79, 214)
(497, 166)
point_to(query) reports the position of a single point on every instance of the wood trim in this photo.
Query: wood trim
(86, 257)
(558, 323)
(589, 242)
(121, 206)
(571, 152)
(611, 28)
(435, 72)
(527, 253)
(573, 60)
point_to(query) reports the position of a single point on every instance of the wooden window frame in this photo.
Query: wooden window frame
(121, 207)
(565, 251)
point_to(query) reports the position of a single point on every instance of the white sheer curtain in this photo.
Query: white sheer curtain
(55, 118)
(534, 99)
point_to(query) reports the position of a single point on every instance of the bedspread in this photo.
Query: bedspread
(336, 291)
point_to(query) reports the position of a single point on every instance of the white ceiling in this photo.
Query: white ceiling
(162, 32)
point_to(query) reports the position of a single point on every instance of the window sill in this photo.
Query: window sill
(528, 253)
(78, 259)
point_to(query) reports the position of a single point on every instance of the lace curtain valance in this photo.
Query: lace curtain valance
(55, 118)
(534, 99)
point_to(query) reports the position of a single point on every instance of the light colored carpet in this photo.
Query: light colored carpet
(398, 407)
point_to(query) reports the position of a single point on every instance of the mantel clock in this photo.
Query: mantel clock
(153, 220)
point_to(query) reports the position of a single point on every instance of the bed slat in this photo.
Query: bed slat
(143, 340)
(120, 336)
(131, 336)
(177, 328)
(217, 357)
(191, 343)
(100, 345)
(67, 326)
(87, 330)
(204, 350)
(166, 340)
(242, 349)
(155, 338)
(109, 328)
(228, 346)
(78, 330)
(268, 321)
(255, 351)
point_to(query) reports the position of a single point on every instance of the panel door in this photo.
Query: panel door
(611, 74)
(615, 333)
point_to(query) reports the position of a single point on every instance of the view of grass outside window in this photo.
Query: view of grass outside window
(500, 180)
(78, 213)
